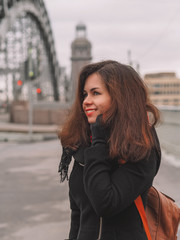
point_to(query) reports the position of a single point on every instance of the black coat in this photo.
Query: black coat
(102, 195)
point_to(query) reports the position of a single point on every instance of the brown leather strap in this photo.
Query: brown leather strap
(140, 207)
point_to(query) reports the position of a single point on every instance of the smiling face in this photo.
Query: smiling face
(96, 97)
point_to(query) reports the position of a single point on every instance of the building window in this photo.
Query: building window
(157, 92)
(156, 85)
(165, 101)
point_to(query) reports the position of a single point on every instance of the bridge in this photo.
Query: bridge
(27, 52)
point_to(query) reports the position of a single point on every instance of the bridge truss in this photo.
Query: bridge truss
(27, 51)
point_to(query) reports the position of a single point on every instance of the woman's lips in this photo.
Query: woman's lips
(89, 112)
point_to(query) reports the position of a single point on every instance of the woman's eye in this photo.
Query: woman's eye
(96, 93)
(84, 95)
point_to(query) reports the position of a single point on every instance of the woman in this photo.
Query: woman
(116, 152)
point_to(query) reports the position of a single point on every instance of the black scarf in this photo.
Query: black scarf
(66, 160)
(64, 163)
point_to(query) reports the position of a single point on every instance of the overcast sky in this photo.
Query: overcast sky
(150, 29)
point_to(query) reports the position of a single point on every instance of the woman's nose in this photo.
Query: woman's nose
(87, 100)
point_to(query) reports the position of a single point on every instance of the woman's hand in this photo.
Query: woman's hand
(100, 132)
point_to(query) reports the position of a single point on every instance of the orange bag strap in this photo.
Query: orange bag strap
(140, 207)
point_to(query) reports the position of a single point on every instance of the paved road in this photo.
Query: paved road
(33, 204)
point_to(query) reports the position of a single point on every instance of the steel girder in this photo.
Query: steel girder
(12, 9)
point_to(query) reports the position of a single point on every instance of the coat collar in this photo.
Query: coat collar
(79, 155)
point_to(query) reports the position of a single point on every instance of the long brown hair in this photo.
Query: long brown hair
(130, 131)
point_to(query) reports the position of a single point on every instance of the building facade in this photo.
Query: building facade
(164, 88)
(80, 56)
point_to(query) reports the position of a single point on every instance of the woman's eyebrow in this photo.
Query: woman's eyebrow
(92, 89)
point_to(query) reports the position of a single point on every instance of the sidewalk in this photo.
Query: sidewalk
(24, 128)
(23, 132)
(10, 132)
(34, 205)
